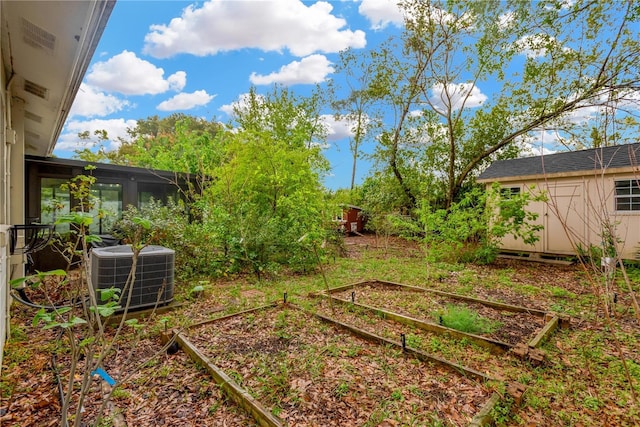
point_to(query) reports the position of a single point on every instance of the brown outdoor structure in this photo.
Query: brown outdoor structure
(591, 194)
(351, 220)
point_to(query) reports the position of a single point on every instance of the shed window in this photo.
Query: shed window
(628, 195)
(509, 192)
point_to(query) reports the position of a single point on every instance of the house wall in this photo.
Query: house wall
(4, 210)
(11, 198)
(574, 212)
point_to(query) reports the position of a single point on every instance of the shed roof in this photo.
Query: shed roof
(613, 157)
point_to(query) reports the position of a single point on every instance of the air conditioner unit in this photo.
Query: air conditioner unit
(110, 267)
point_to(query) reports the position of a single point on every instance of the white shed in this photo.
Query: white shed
(589, 193)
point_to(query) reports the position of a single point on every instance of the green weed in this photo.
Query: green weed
(465, 320)
(119, 393)
(341, 390)
(558, 292)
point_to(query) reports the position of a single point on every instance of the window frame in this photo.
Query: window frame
(631, 195)
(509, 192)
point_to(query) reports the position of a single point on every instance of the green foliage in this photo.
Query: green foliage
(464, 319)
(57, 318)
(258, 187)
(341, 390)
(440, 134)
(501, 412)
(196, 250)
(269, 192)
(81, 319)
(471, 229)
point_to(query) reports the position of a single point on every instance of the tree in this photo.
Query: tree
(358, 107)
(85, 343)
(267, 194)
(541, 64)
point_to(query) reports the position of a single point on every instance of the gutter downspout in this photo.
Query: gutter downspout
(6, 214)
(9, 141)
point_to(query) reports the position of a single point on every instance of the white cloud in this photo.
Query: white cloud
(186, 101)
(381, 13)
(177, 81)
(227, 109)
(223, 25)
(309, 70)
(90, 102)
(116, 128)
(336, 129)
(506, 20)
(536, 45)
(128, 74)
(538, 143)
(455, 95)
(240, 103)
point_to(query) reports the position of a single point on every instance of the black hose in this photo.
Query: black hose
(21, 296)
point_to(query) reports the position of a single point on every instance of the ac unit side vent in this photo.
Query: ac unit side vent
(37, 37)
(110, 267)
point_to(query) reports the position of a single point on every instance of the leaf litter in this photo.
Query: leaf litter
(310, 373)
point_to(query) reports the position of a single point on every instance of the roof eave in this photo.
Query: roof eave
(558, 175)
(95, 25)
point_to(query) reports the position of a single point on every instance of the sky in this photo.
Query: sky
(201, 57)
(198, 58)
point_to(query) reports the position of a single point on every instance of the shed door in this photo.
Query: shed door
(565, 209)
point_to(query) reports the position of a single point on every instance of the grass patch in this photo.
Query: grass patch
(465, 320)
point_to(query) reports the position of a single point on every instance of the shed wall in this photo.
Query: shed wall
(574, 214)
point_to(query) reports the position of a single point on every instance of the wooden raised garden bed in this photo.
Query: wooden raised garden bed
(499, 326)
(287, 366)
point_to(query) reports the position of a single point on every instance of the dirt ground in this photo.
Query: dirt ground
(172, 391)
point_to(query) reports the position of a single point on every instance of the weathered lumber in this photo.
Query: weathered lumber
(239, 395)
(544, 332)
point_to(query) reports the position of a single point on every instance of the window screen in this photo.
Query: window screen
(628, 195)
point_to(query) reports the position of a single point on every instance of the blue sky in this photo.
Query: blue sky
(197, 58)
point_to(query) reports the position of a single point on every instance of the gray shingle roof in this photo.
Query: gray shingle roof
(616, 156)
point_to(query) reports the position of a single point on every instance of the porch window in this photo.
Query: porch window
(54, 201)
(157, 192)
(108, 208)
(627, 195)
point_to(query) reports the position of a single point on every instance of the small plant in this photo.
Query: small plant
(197, 291)
(465, 320)
(397, 395)
(414, 341)
(501, 413)
(120, 393)
(341, 389)
(211, 410)
(558, 292)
